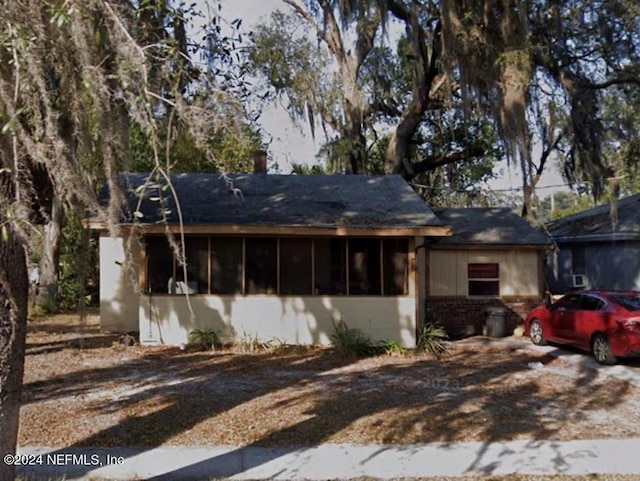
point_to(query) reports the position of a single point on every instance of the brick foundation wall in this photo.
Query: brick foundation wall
(463, 317)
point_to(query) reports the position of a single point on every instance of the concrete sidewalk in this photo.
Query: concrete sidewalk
(339, 461)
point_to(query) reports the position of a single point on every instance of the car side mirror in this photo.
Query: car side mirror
(548, 301)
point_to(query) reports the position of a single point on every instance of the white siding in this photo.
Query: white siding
(296, 319)
(519, 271)
(119, 297)
(443, 273)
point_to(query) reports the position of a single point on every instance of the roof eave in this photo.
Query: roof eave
(391, 231)
(450, 244)
(620, 237)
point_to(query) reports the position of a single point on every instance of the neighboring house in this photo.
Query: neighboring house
(493, 259)
(273, 257)
(598, 248)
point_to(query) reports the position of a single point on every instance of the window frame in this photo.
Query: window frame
(483, 279)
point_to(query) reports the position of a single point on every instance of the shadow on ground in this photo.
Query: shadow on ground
(389, 401)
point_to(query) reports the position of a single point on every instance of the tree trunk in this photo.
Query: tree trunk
(14, 289)
(50, 263)
(527, 200)
(354, 142)
(397, 156)
(425, 69)
(528, 188)
(356, 160)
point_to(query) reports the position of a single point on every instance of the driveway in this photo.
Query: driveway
(626, 369)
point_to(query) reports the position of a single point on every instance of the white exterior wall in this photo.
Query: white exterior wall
(119, 299)
(295, 320)
(520, 271)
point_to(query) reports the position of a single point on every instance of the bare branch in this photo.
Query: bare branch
(367, 32)
(614, 81)
(432, 162)
(332, 36)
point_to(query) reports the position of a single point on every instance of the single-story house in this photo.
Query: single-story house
(272, 257)
(597, 249)
(494, 259)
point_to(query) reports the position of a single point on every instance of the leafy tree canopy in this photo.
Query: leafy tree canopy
(76, 79)
(538, 74)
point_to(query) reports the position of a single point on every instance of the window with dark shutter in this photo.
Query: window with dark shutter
(484, 279)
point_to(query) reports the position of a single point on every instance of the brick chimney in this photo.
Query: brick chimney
(260, 162)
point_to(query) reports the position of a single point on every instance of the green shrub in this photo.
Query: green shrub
(353, 341)
(38, 311)
(432, 339)
(78, 261)
(206, 339)
(393, 348)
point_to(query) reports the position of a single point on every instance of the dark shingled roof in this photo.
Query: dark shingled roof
(489, 226)
(597, 224)
(330, 201)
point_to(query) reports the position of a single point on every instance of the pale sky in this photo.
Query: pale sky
(289, 143)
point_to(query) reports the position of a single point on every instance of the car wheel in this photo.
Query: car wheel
(602, 350)
(536, 333)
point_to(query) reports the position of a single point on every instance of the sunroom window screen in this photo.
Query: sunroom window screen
(159, 265)
(395, 258)
(330, 266)
(226, 265)
(197, 256)
(261, 270)
(364, 267)
(280, 266)
(295, 266)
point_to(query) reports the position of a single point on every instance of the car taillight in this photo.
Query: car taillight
(629, 323)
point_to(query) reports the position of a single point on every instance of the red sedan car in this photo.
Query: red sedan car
(607, 323)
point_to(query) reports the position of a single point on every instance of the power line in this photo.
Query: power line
(510, 189)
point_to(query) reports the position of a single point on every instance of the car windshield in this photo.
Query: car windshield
(631, 302)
